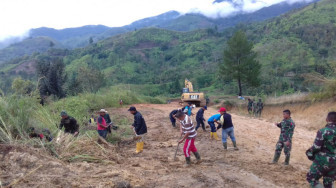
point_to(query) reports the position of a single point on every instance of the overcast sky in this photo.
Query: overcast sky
(18, 16)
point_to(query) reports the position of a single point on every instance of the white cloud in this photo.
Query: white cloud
(18, 16)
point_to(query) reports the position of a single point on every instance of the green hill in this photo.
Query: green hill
(27, 47)
(288, 47)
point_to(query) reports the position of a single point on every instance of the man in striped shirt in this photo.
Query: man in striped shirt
(189, 133)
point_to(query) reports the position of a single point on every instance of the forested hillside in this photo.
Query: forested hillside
(288, 47)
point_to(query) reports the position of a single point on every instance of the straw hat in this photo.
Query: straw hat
(102, 110)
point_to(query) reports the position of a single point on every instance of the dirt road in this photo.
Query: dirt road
(155, 167)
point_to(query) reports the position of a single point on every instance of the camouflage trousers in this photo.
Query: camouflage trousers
(280, 145)
(322, 167)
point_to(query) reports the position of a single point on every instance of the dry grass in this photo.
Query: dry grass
(287, 99)
(309, 115)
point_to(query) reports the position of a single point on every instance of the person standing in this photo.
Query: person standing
(101, 124)
(227, 128)
(172, 117)
(323, 155)
(121, 102)
(287, 127)
(69, 123)
(108, 120)
(249, 106)
(211, 121)
(200, 117)
(189, 134)
(260, 107)
(140, 128)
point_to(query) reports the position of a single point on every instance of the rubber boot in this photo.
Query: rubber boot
(188, 162)
(276, 158)
(141, 146)
(211, 135)
(138, 147)
(286, 160)
(198, 157)
(216, 136)
(225, 145)
(235, 145)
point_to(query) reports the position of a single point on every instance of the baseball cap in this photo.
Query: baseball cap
(222, 109)
(205, 107)
(132, 108)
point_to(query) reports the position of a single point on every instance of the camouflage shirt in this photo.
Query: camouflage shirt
(325, 142)
(250, 104)
(287, 127)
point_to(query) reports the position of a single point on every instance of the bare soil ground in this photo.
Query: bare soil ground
(155, 167)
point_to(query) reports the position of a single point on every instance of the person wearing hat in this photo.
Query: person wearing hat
(69, 123)
(140, 128)
(101, 124)
(200, 117)
(227, 128)
(108, 121)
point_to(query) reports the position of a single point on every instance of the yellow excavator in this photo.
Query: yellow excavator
(188, 95)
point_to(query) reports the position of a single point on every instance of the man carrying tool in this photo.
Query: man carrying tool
(323, 155)
(107, 118)
(189, 134)
(140, 128)
(211, 121)
(200, 117)
(69, 123)
(227, 128)
(287, 127)
(172, 117)
(102, 124)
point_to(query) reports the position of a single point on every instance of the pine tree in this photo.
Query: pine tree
(240, 62)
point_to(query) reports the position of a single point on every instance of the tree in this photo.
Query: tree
(51, 72)
(22, 87)
(91, 40)
(240, 62)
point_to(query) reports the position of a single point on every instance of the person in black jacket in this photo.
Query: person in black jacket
(140, 128)
(172, 118)
(227, 128)
(200, 118)
(69, 123)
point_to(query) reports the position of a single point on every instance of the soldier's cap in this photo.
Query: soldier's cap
(132, 108)
(64, 113)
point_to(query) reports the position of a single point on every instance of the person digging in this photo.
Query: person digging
(140, 129)
(189, 134)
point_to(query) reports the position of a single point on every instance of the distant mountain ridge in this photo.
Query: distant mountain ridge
(172, 20)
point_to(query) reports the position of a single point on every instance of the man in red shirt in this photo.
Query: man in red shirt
(101, 124)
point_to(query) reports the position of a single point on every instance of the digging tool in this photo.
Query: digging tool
(177, 149)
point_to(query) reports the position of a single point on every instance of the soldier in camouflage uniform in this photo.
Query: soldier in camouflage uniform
(260, 107)
(249, 106)
(287, 126)
(323, 155)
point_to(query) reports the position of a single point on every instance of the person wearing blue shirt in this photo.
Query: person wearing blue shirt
(189, 107)
(211, 121)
